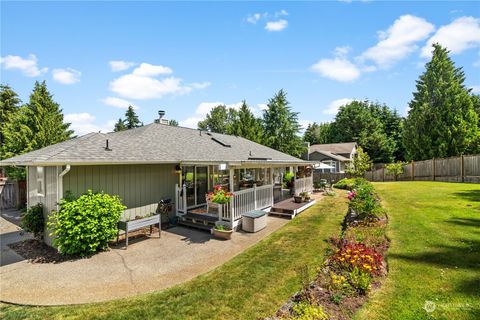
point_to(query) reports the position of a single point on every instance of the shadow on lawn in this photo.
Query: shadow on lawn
(469, 195)
(463, 254)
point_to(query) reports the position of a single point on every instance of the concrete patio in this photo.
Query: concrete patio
(148, 265)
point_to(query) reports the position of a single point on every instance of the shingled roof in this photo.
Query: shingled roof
(153, 143)
(335, 148)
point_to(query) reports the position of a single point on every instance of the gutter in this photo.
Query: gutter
(60, 183)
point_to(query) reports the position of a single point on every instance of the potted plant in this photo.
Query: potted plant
(299, 198)
(219, 196)
(222, 231)
(307, 196)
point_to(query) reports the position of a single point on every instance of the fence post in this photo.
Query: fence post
(383, 173)
(462, 168)
(413, 170)
(433, 169)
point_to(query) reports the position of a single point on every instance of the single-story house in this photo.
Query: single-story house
(159, 161)
(337, 155)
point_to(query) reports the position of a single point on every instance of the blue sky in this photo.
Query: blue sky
(185, 57)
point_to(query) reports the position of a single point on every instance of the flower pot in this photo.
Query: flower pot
(222, 234)
(298, 199)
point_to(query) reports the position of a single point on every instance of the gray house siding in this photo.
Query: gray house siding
(140, 187)
(47, 197)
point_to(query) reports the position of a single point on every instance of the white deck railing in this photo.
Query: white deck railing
(243, 201)
(304, 185)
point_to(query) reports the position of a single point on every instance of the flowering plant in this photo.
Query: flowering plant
(351, 195)
(219, 195)
(357, 255)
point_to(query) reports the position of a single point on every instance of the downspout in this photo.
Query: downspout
(60, 183)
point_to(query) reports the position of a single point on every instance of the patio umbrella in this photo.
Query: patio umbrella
(321, 165)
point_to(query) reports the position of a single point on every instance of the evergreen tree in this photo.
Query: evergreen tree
(361, 163)
(9, 104)
(245, 124)
(217, 120)
(281, 127)
(131, 119)
(120, 125)
(441, 121)
(361, 122)
(35, 125)
(173, 123)
(318, 133)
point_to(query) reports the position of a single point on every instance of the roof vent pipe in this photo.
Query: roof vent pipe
(106, 146)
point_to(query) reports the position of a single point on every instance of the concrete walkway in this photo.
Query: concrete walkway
(10, 232)
(148, 265)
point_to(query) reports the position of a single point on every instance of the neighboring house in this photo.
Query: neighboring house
(158, 161)
(336, 155)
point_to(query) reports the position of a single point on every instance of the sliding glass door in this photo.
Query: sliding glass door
(195, 179)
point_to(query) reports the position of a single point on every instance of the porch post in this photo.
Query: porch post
(177, 204)
(230, 180)
(255, 195)
(184, 198)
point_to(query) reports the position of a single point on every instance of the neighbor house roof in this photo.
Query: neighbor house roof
(153, 143)
(333, 156)
(335, 148)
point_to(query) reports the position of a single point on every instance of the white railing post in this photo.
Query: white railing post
(184, 198)
(232, 209)
(255, 195)
(177, 204)
(220, 211)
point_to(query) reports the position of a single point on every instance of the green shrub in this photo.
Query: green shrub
(360, 280)
(287, 177)
(306, 311)
(345, 183)
(85, 225)
(33, 220)
(365, 202)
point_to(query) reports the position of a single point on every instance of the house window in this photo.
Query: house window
(40, 181)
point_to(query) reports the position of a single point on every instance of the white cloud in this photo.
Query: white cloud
(276, 25)
(463, 33)
(253, 18)
(83, 123)
(333, 107)
(66, 76)
(138, 87)
(202, 110)
(150, 70)
(118, 103)
(340, 69)
(280, 13)
(201, 85)
(143, 84)
(398, 41)
(342, 51)
(28, 66)
(120, 65)
(475, 89)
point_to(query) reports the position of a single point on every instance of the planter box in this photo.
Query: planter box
(137, 224)
(222, 234)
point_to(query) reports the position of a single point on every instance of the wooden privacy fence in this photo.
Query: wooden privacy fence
(454, 169)
(8, 195)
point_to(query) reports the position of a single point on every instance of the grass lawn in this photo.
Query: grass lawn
(253, 284)
(434, 255)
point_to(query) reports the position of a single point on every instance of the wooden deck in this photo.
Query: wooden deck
(289, 208)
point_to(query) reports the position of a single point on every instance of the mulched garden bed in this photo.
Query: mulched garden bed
(36, 251)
